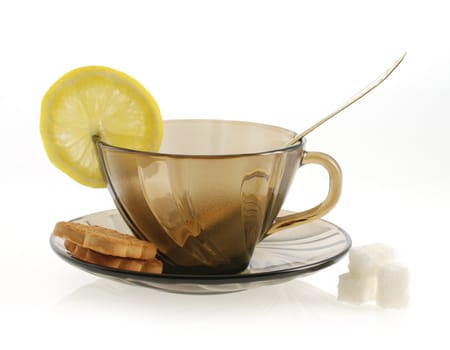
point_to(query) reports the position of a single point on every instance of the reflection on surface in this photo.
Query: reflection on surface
(295, 299)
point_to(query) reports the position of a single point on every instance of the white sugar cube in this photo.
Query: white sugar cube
(364, 260)
(392, 286)
(356, 289)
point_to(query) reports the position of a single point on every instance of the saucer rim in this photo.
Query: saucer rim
(242, 277)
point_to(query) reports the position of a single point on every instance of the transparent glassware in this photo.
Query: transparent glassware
(212, 192)
(292, 252)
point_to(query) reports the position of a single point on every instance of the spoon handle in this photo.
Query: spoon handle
(352, 100)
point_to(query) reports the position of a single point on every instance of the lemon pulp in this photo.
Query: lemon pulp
(96, 101)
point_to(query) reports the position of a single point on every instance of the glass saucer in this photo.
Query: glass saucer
(278, 258)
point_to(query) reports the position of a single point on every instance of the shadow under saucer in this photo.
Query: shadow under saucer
(295, 297)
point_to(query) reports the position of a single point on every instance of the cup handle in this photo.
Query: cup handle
(334, 192)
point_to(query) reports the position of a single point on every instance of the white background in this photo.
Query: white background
(280, 62)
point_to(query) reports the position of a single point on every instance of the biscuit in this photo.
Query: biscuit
(151, 265)
(105, 241)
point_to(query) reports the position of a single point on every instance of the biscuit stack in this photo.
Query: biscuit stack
(107, 247)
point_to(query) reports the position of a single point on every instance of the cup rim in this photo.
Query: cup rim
(298, 144)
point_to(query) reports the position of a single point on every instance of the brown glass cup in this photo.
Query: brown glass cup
(212, 192)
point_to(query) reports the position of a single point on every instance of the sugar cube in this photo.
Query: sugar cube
(356, 289)
(392, 286)
(364, 260)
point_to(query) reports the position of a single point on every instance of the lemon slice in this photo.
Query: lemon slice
(96, 101)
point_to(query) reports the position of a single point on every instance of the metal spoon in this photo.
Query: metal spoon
(352, 100)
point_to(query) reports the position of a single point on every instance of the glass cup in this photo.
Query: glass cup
(212, 192)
